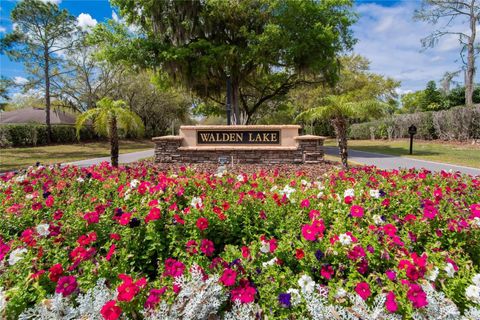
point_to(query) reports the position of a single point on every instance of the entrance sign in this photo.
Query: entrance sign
(266, 144)
(256, 137)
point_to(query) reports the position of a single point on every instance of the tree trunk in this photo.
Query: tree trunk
(235, 101)
(340, 126)
(470, 74)
(47, 96)
(113, 141)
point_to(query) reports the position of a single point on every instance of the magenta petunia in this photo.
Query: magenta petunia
(356, 211)
(363, 290)
(66, 285)
(228, 277)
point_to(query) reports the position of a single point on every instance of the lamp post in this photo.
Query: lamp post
(229, 101)
(412, 130)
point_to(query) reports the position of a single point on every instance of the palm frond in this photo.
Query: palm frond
(83, 118)
(130, 121)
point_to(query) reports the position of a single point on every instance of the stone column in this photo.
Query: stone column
(311, 148)
(166, 148)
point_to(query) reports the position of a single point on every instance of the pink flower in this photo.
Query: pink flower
(430, 212)
(475, 210)
(202, 223)
(356, 211)
(417, 296)
(49, 202)
(154, 297)
(128, 289)
(110, 311)
(91, 217)
(55, 272)
(308, 232)
(173, 268)
(191, 246)
(391, 274)
(228, 277)
(207, 247)
(125, 218)
(327, 271)
(363, 290)
(66, 285)
(110, 253)
(305, 203)
(391, 303)
(153, 214)
(244, 293)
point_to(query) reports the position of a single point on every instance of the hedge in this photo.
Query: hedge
(459, 123)
(20, 135)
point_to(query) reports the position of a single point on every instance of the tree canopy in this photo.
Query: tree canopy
(266, 47)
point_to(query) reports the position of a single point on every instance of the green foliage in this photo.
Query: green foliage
(20, 135)
(264, 46)
(432, 98)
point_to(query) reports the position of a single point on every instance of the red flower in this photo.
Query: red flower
(173, 268)
(129, 289)
(327, 271)
(245, 252)
(228, 277)
(55, 272)
(244, 293)
(299, 254)
(305, 203)
(202, 223)
(66, 285)
(125, 218)
(49, 202)
(308, 232)
(363, 290)
(356, 211)
(110, 311)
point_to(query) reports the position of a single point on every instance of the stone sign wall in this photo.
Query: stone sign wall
(239, 144)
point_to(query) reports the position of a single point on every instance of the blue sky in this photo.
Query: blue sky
(387, 35)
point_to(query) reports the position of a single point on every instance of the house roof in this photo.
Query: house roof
(36, 115)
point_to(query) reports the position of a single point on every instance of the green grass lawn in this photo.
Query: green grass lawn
(16, 158)
(454, 153)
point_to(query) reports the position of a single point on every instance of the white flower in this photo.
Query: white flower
(80, 179)
(265, 248)
(42, 229)
(320, 194)
(472, 293)
(3, 300)
(433, 274)
(345, 239)
(349, 193)
(29, 196)
(270, 262)
(340, 293)
(295, 296)
(287, 191)
(306, 284)
(134, 183)
(20, 178)
(240, 178)
(450, 270)
(16, 255)
(320, 186)
(476, 279)
(375, 193)
(476, 221)
(377, 219)
(273, 188)
(196, 201)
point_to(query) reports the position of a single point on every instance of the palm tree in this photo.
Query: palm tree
(107, 118)
(339, 110)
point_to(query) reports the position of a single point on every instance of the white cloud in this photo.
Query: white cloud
(86, 22)
(20, 81)
(3, 29)
(391, 39)
(52, 1)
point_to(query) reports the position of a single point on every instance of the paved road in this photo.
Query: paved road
(123, 158)
(385, 161)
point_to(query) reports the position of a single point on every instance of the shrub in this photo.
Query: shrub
(21, 135)
(459, 123)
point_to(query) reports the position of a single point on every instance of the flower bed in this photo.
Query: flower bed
(137, 242)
